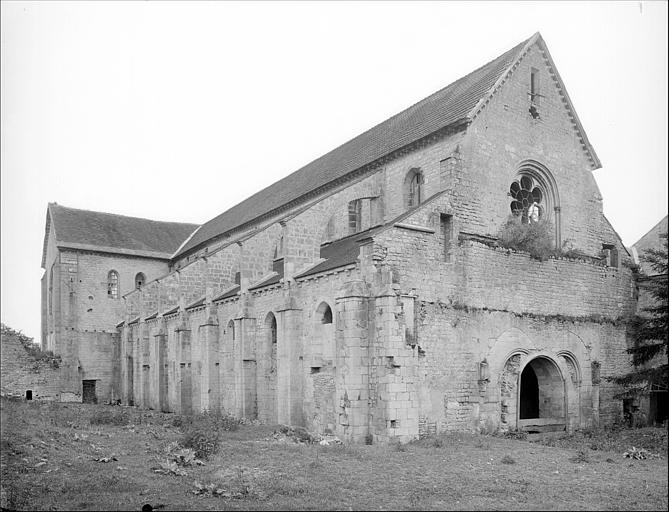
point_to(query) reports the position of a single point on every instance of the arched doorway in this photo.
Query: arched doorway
(541, 397)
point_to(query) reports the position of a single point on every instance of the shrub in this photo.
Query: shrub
(202, 432)
(534, 238)
(203, 441)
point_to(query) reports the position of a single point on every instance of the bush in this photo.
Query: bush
(202, 432)
(507, 459)
(202, 441)
(535, 238)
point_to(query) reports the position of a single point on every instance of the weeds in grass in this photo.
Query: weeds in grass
(110, 417)
(507, 459)
(581, 457)
(204, 442)
(515, 434)
(482, 443)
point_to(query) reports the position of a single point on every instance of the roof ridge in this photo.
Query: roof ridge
(443, 108)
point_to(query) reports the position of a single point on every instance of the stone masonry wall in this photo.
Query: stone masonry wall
(504, 134)
(20, 372)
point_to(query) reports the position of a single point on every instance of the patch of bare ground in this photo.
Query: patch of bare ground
(79, 457)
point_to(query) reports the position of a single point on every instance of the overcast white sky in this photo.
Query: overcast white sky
(177, 111)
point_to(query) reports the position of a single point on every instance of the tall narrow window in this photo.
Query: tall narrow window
(51, 290)
(354, 216)
(413, 188)
(112, 284)
(446, 224)
(272, 330)
(534, 86)
(611, 254)
(139, 280)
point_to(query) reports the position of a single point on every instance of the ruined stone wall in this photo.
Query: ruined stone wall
(482, 276)
(20, 372)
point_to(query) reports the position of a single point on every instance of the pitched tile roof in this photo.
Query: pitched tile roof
(341, 252)
(446, 107)
(107, 232)
(232, 292)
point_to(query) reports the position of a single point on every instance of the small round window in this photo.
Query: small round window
(527, 199)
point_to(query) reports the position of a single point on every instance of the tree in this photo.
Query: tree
(650, 329)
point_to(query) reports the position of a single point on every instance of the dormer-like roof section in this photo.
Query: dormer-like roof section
(111, 233)
(449, 107)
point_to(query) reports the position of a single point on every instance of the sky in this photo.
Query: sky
(177, 111)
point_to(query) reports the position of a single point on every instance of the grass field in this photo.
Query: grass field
(76, 457)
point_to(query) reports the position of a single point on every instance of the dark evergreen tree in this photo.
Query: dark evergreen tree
(650, 328)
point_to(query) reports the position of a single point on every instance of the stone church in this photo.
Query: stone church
(365, 294)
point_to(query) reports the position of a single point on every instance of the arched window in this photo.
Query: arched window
(413, 188)
(354, 216)
(272, 329)
(231, 330)
(533, 196)
(324, 313)
(139, 280)
(112, 284)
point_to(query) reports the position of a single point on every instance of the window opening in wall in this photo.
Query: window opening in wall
(272, 329)
(527, 199)
(139, 280)
(278, 250)
(238, 278)
(51, 290)
(327, 316)
(534, 86)
(231, 329)
(414, 183)
(611, 254)
(354, 216)
(446, 224)
(29, 394)
(534, 93)
(112, 284)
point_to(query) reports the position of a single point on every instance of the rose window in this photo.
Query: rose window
(527, 200)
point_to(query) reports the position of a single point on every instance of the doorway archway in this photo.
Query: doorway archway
(541, 397)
